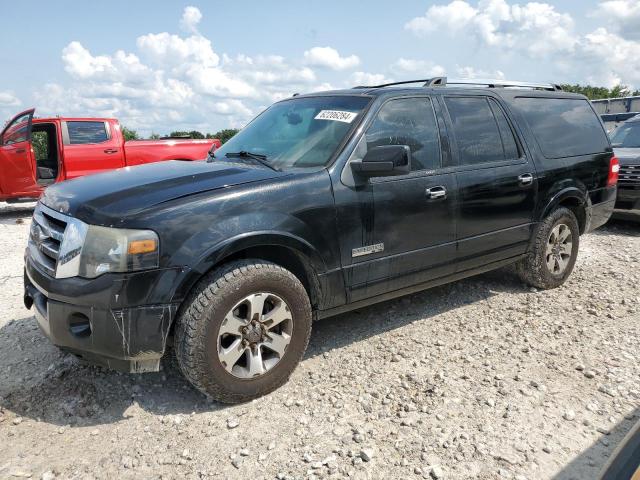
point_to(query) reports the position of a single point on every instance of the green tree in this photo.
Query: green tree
(191, 134)
(39, 141)
(223, 135)
(129, 134)
(179, 133)
(594, 93)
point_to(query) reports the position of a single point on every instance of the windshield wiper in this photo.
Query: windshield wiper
(254, 156)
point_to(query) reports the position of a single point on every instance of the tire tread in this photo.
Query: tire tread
(192, 321)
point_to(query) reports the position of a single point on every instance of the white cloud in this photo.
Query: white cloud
(81, 64)
(173, 51)
(330, 58)
(534, 27)
(190, 19)
(365, 78)
(467, 72)
(618, 59)
(217, 82)
(8, 99)
(622, 15)
(540, 32)
(425, 68)
(173, 82)
(454, 16)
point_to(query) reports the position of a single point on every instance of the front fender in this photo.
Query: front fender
(259, 239)
(208, 248)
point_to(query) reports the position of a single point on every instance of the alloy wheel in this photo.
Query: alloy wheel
(254, 335)
(559, 249)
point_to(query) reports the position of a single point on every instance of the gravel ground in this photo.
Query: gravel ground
(484, 378)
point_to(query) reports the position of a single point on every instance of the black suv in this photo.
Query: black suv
(626, 142)
(322, 204)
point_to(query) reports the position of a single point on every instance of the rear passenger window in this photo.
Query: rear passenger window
(563, 127)
(476, 130)
(408, 121)
(87, 132)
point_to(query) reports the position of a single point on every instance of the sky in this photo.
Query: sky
(165, 66)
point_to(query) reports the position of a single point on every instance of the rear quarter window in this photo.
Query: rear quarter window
(87, 132)
(563, 127)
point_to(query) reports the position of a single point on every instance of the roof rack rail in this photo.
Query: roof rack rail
(427, 82)
(499, 83)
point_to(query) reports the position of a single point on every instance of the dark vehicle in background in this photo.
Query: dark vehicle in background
(626, 143)
(323, 204)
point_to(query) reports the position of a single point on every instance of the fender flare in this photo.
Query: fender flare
(562, 195)
(230, 246)
(243, 241)
(574, 193)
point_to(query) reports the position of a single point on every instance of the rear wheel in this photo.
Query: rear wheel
(554, 252)
(243, 330)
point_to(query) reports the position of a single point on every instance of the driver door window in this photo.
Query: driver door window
(412, 122)
(18, 131)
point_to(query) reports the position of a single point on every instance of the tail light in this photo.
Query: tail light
(614, 169)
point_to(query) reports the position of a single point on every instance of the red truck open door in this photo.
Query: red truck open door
(17, 168)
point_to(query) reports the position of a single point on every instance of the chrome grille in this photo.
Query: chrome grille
(45, 238)
(629, 176)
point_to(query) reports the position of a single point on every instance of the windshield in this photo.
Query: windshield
(300, 132)
(626, 135)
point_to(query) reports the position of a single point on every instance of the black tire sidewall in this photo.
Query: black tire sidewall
(268, 280)
(566, 217)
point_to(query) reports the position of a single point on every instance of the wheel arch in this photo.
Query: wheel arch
(575, 200)
(282, 248)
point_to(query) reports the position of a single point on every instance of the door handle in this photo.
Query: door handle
(435, 193)
(110, 150)
(525, 179)
(20, 150)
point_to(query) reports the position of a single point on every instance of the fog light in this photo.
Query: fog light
(79, 325)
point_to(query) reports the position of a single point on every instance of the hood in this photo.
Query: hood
(112, 196)
(628, 156)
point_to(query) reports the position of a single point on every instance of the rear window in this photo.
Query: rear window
(563, 127)
(87, 132)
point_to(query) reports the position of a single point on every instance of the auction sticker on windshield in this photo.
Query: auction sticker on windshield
(337, 115)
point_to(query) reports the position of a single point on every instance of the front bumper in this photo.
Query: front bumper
(121, 321)
(628, 199)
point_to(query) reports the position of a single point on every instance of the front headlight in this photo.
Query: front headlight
(89, 251)
(118, 250)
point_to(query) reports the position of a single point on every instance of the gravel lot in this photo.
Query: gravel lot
(483, 378)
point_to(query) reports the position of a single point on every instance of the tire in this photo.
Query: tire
(534, 268)
(217, 304)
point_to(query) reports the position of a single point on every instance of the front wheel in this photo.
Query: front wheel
(554, 251)
(243, 330)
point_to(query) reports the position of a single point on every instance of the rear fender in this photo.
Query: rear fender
(574, 196)
(567, 193)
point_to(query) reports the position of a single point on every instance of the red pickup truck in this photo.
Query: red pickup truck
(36, 152)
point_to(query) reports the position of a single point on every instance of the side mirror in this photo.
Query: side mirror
(384, 161)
